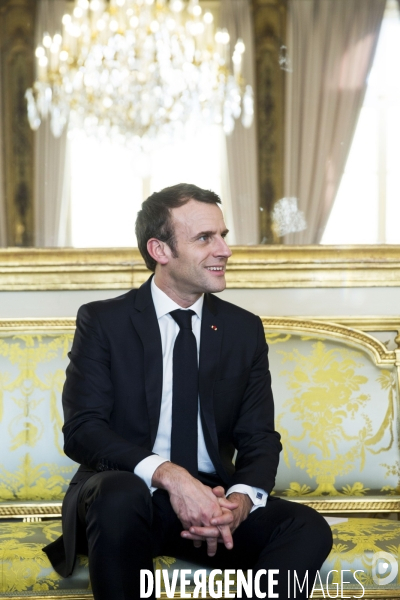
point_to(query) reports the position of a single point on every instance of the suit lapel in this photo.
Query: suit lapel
(210, 350)
(145, 322)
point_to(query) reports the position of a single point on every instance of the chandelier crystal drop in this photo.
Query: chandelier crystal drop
(139, 70)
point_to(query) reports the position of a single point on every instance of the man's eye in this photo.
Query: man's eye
(203, 238)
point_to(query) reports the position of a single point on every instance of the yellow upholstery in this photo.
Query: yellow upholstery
(25, 568)
(355, 543)
(337, 412)
(32, 372)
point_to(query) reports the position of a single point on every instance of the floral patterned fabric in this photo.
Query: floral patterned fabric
(337, 412)
(33, 465)
(25, 569)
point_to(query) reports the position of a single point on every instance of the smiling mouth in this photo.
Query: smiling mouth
(215, 269)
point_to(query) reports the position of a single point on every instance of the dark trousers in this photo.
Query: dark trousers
(126, 527)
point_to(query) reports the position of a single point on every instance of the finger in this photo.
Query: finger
(225, 519)
(212, 545)
(208, 533)
(226, 536)
(225, 503)
(191, 536)
(212, 542)
(197, 543)
(204, 531)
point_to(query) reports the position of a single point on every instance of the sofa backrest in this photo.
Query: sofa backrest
(33, 358)
(336, 393)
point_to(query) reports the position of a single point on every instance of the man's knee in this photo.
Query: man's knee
(316, 530)
(303, 525)
(116, 495)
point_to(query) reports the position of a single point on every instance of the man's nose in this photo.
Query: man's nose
(222, 249)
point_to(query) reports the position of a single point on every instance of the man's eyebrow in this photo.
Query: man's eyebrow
(201, 233)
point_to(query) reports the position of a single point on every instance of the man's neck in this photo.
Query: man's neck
(183, 299)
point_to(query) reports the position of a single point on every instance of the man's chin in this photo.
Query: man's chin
(216, 285)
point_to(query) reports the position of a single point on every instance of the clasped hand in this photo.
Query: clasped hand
(206, 514)
(215, 532)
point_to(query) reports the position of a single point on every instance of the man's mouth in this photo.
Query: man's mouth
(215, 268)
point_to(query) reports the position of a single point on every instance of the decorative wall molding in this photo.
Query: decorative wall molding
(16, 75)
(249, 267)
(269, 18)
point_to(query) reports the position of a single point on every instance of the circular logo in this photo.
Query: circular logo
(384, 568)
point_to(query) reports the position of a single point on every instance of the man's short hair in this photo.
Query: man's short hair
(154, 219)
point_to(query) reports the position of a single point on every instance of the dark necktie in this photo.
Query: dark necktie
(185, 391)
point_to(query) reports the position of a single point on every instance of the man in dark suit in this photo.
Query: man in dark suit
(154, 480)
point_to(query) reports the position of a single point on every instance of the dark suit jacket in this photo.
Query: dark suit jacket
(112, 397)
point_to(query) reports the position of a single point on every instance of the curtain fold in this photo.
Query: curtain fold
(331, 45)
(52, 171)
(241, 145)
(3, 222)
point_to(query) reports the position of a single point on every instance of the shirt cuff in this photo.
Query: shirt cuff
(257, 495)
(146, 467)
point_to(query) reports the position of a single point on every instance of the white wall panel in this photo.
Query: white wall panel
(268, 302)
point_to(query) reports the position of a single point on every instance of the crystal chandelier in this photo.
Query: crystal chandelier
(140, 70)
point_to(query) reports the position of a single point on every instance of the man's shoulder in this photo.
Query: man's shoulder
(107, 306)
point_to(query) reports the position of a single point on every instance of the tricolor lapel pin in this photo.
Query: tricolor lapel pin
(214, 327)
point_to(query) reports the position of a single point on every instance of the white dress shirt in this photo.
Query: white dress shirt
(169, 329)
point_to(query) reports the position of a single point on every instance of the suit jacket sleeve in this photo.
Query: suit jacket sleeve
(88, 402)
(257, 443)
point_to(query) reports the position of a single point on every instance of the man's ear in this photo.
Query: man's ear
(159, 251)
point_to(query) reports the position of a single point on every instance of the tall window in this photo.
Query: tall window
(109, 182)
(367, 206)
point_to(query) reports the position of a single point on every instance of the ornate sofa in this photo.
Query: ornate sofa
(337, 403)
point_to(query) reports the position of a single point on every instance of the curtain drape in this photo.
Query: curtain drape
(52, 171)
(331, 45)
(241, 145)
(3, 222)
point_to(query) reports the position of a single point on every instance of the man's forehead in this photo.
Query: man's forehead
(198, 215)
